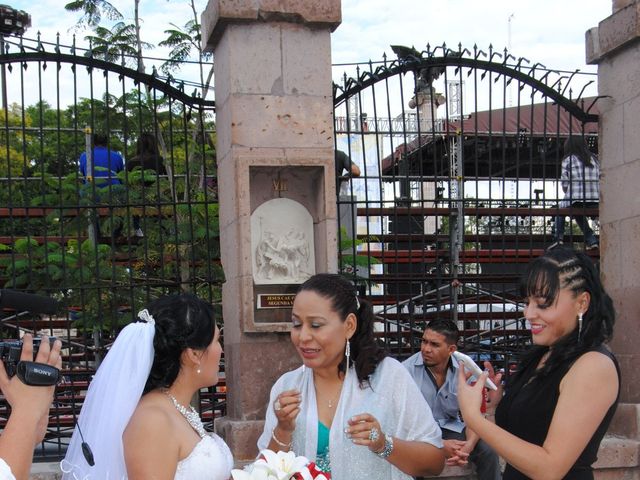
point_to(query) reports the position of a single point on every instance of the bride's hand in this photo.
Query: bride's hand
(287, 407)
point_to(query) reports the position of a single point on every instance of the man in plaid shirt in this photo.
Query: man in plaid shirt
(580, 180)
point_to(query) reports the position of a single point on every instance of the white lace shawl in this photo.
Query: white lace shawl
(393, 398)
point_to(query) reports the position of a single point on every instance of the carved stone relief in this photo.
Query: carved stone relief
(282, 247)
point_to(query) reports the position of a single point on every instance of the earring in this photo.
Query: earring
(347, 353)
(579, 325)
(198, 370)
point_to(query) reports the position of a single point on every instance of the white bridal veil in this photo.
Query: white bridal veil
(113, 395)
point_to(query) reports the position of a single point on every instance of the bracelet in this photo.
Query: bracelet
(388, 447)
(281, 444)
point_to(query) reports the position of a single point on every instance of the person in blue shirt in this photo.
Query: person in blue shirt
(435, 371)
(106, 162)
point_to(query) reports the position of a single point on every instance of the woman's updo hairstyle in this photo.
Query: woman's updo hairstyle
(366, 353)
(181, 321)
(564, 268)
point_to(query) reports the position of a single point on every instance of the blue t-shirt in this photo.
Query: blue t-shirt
(106, 165)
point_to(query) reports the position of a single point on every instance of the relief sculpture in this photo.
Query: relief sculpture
(282, 243)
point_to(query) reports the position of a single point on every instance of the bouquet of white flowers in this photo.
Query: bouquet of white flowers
(280, 466)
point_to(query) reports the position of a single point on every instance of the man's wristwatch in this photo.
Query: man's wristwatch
(388, 447)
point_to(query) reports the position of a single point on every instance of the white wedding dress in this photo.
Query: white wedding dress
(210, 459)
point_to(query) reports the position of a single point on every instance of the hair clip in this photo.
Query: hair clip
(357, 303)
(146, 317)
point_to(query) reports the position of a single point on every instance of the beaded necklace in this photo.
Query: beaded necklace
(191, 415)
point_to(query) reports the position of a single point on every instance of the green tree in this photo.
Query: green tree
(183, 41)
(93, 11)
(118, 43)
(13, 142)
(51, 146)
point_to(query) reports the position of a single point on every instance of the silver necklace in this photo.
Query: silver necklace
(190, 414)
(332, 402)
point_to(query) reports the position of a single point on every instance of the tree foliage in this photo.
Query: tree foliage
(117, 44)
(93, 11)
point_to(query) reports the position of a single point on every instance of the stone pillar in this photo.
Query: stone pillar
(274, 117)
(615, 47)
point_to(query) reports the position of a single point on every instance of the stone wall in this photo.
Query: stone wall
(615, 47)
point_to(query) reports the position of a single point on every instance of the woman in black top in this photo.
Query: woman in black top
(558, 405)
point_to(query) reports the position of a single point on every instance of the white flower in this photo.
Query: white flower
(274, 466)
(283, 464)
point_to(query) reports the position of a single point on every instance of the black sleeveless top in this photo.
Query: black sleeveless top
(527, 408)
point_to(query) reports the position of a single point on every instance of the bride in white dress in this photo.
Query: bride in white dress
(136, 418)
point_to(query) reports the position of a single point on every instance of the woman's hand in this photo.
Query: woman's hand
(287, 407)
(493, 396)
(470, 396)
(365, 430)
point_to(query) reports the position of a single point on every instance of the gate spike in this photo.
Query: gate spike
(39, 46)
(569, 80)
(583, 89)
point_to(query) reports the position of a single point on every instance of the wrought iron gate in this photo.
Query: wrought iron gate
(101, 242)
(460, 154)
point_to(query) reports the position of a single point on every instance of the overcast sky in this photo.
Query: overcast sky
(547, 31)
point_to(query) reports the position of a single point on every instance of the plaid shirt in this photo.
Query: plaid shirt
(580, 182)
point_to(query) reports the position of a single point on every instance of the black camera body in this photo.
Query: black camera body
(30, 373)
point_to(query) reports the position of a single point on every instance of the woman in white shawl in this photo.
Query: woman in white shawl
(350, 408)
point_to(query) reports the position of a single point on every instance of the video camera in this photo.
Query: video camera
(30, 373)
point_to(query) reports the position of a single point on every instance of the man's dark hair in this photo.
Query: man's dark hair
(99, 139)
(445, 327)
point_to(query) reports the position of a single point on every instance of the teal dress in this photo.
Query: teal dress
(322, 453)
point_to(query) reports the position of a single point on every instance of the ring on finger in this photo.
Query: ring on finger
(277, 406)
(374, 434)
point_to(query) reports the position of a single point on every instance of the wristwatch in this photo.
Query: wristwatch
(388, 447)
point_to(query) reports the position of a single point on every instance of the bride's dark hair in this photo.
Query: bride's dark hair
(181, 321)
(366, 352)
